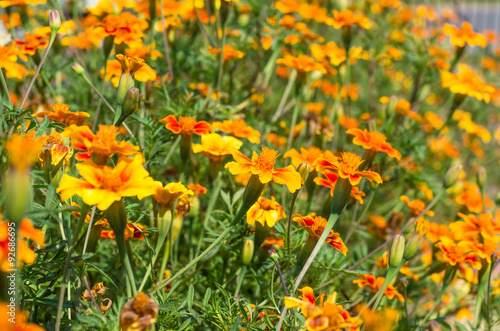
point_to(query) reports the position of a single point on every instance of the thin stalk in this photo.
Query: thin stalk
(391, 274)
(99, 104)
(360, 218)
(3, 83)
(243, 269)
(122, 247)
(88, 230)
(289, 225)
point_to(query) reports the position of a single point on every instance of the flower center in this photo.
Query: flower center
(187, 124)
(110, 181)
(266, 159)
(350, 162)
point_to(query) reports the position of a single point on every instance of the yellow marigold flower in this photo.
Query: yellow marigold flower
(327, 316)
(55, 148)
(114, 71)
(473, 226)
(470, 196)
(416, 206)
(465, 122)
(347, 18)
(374, 141)
(215, 147)
(103, 185)
(138, 313)
(60, 113)
(130, 64)
(301, 63)
(101, 145)
(457, 253)
(379, 321)
(464, 35)
(347, 167)
(126, 28)
(265, 211)
(466, 82)
(229, 54)
(23, 150)
(239, 129)
(314, 225)
(263, 166)
(309, 155)
(166, 195)
(375, 284)
(186, 125)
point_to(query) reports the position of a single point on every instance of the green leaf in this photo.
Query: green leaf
(190, 297)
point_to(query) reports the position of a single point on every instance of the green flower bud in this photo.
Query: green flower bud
(481, 177)
(126, 83)
(452, 175)
(77, 67)
(413, 246)
(54, 20)
(303, 169)
(397, 250)
(129, 106)
(247, 251)
(18, 194)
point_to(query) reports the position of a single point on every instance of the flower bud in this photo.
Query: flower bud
(481, 177)
(18, 194)
(54, 20)
(129, 106)
(126, 83)
(303, 169)
(396, 251)
(452, 175)
(252, 191)
(77, 67)
(273, 255)
(413, 246)
(247, 254)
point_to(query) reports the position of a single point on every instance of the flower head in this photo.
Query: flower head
(347, 18)
(266, 212)
(138, 313)
(55, 150)
(454, 253)
(375, 284)
(31, 43)
(263, 166)
(347, 167)
(331, 180)
(314, 225)
(186, 125)
(215, 147)
(130, 64)
(309, 155)
(23, 150)
(229, 54)
(60, 113)
(103, 185)
(166, 195)
(239, 129)
(301, 63)
(464, 35)
(467, 82)
(374, 141)
(416, 206)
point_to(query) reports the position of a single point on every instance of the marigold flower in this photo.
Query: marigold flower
(331, 180)
(132, 231)
(263, 166)
(347, 167)
(166, 195)
(374, 141)
(101, 146)
(60, 113)
(301, 63)
(229, 54)
(454, 253)
(347, 18)
(470, 196)
(130, 64)
(473, 225)
(314, 225)
(464, 35)
(103, 185)
(23, 150)
(126, 28)
(21, 317)
(379, 321)
(138, 313)
(466, 82)
(8, 57)
(416, 206)
(266, 212)
(215, 147)
(186, 125)
(308, 155)
(114, 71)
(375, 284)
(31, 43)
(239, 129)
(25, 254)
(55, 148)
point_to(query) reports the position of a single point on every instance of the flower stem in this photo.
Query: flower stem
(243, 269)
(448, 277)
(391, 274)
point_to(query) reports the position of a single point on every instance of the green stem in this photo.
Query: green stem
(391, 274)
(243, 269)
(448, 277)
(289, 226)
(122, 247)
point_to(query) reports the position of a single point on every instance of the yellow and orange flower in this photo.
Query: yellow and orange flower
(31, 43)
(374, 141)
(239, 129)
(464, 35)
(309, 155)
(454, 253)
(186, 126)
(103, 185)
(101, 145)
(55, 150)
(467, 82)
(347, 167)
(266, 212)
(132, 231)
(331, 180)
(416, 206)
(470, 196)
(23, 150)
(301, 63)
(315, 225)
(215, 147)
(229, 54)
(375, 284)
(473, 226)
(166, 195)
(114, 70)
(347, 18)
(263, 166)
(22, 317)
(60, 113)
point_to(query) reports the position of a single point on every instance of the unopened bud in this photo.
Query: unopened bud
(434, 326)
(129, 106)
(54, 20)
(18, 194)
(452, 175)
(273, 255)
(252, 191)
(77, 68)
(413, 246)
(126, 83)
(247, 251)
(303, 169)
(481, 177)
(397, 250)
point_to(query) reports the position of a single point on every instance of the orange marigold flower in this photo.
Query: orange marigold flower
(266, 212)
(23, 151)
(347, 18)
(60, 113)
(416, 206)
(239, 129)
(55, 148)
(301, 63)
(467, 82)
(375, 284)
(436, 231)
(114, 71)
(126, 28)
(309, 155)
(166, 195)
(215, 147)
(31, 43)
(464, 35)
(347, 167)
(470, 196)
(103, 185)
(130, 64)
(473, 225)
(331, 180)
(453, 253)
(229, 54)
(374, 141)
(22, 317)
(263, 166)
(314, 225)
(132, 231)
(186, 125)
(101, 145)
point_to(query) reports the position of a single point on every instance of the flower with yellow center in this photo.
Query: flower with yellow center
(301, 63)
(186, 126)
(103, 185)
(166, 195)
(331, 180)
(309, 155)
(60, 113)
(263, 166)
(266, 212)
(454, 253)
(347, 18)
(347, 167)
(314, 225)
(375, 284)
(215, 147)
(374, 141)
(130, 64)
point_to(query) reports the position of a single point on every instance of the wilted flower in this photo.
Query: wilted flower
(138, 313)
